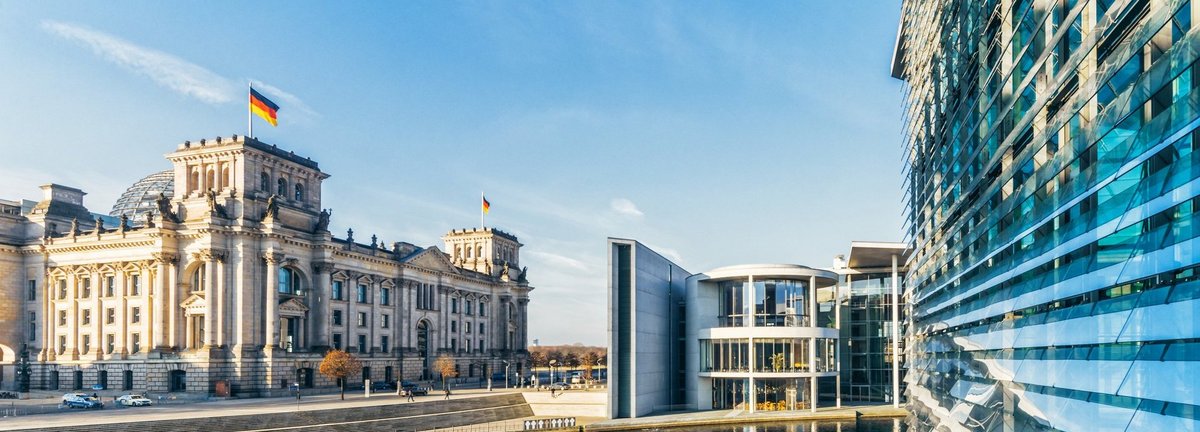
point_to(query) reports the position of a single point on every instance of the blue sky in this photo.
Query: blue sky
(718, 133)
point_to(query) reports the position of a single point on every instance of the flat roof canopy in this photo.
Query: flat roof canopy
(877, 254)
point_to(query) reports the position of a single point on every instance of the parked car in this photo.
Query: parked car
(85, 402)
(134, 400)
(414, 388)
(559, 386)
(382, 386)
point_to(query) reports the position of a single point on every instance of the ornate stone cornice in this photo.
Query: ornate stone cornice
(209, 255)
(165, 257)
(273, 257)
(323, 267)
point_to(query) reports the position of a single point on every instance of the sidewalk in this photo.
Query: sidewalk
(224, 408)
(846, 412)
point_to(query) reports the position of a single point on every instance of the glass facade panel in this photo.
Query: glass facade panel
(1052, 185)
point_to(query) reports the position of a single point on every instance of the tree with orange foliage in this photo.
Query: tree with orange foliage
(445, 366)
(340, 365)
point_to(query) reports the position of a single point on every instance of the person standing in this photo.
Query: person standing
(447, 393)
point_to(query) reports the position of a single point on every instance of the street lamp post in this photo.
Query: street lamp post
(505, 373)
(552, 363)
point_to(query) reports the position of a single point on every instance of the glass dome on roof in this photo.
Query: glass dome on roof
(139, 198)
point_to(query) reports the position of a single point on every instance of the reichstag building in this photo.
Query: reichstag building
(220, 276)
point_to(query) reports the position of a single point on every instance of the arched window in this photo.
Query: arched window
(299, 191)
(479, 252)
(200, 277)
(210, 178)
(423, 338)
(224, 176)
(282, 189)
(264, 182)
(469, 251)
(194, 180)
(289, 281)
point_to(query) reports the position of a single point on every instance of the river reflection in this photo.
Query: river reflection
(888, 425)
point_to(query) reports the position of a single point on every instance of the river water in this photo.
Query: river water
(889, 425)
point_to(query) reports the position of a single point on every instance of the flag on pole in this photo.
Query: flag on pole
(486, 205)
(264, 108)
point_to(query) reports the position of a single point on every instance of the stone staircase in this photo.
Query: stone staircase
(416, 416)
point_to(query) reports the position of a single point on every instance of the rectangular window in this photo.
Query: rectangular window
(467, 326)
(385, 322)
(385, 296)
(468, 306)
(109, 281)
(32, 326)
(467, 344)
(32, 291)
(481, 344)
(453, 326)
(62, 289)
(362, 319)
(62, 318)
(337, 341)
(62, 344)
(362, 293)
(453, 344)
(337, 317)
(86, 344)
(86, 317)
(362, 344)
(481, 330)
(135, 315)
(110, 344)
(135, 285)
(383, 344)
(110, 316)
(337, 290)
(86, 284)
(482, 309)
(135, 342)
(453, 305)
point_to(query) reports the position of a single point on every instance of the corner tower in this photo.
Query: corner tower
(484, 250)
(244, 173)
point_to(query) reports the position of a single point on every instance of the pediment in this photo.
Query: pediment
(432, 258)
(194, 302)
(292, 305)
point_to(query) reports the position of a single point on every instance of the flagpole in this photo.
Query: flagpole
(249, 112)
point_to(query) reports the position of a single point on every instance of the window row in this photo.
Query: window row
(108, 287)
(281, 187)
(110, 344)
(769, 355)
(110, 314)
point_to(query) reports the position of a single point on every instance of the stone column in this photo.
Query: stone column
(171, 303)
(212, 296)
(122, 307)
(271, 337)
(523, 333)
(72, 351)
(895, 332)
(812, 343)
(49, 348)
(97, 329)
(156, 289)
(318, 305)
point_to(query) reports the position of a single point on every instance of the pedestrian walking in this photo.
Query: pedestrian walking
(552, 389)
(410, 395)
(447, 393)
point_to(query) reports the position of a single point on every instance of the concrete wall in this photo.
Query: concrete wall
(655, 288)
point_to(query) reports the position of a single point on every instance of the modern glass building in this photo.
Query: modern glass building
(759, 336)
(1053, 177)
(872, 320)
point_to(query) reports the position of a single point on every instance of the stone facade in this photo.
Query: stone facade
(236, 278)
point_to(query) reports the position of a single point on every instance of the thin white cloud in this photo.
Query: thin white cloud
(558, 262)
(667, 252)
(179, 75)
(167, 70)
(289, 101)
(626, 207)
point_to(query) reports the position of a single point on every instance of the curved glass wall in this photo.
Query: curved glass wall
(776, 303)
(770, 394)
(781, 303)
(770, 355)
(733, 303)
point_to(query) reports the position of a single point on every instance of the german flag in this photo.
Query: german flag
(262, 106)
(487, 206)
